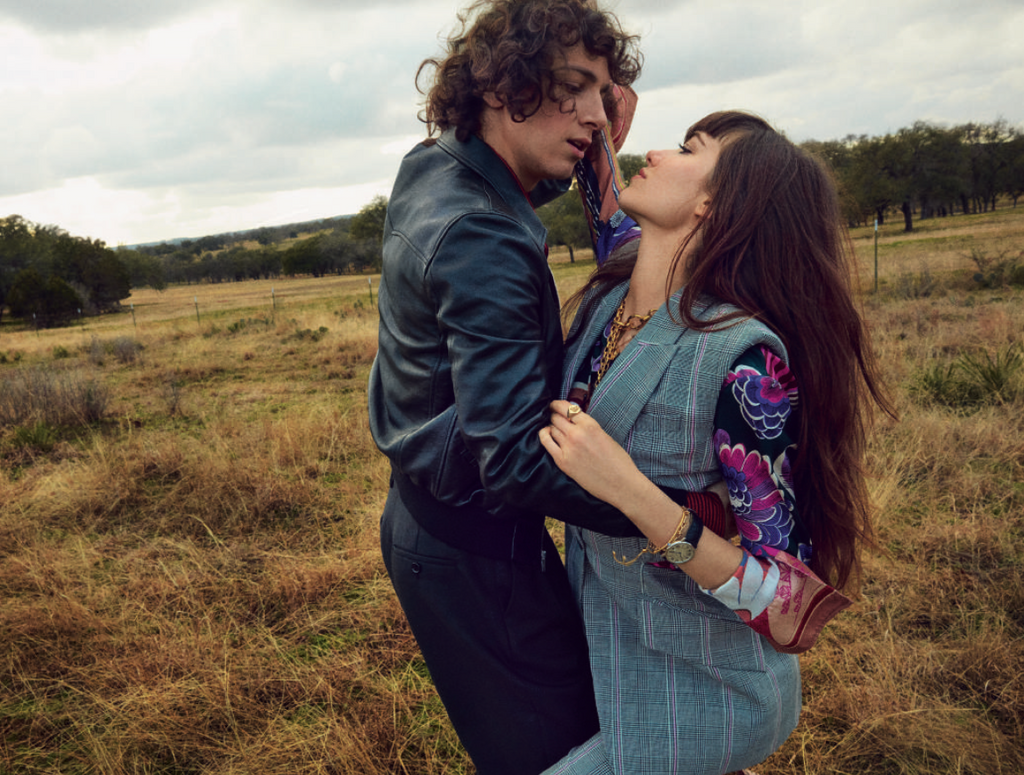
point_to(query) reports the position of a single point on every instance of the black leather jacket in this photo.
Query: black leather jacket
(470, 355)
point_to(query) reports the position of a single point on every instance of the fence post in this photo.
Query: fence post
(876, 254)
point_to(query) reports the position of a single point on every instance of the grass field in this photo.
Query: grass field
(189, 573)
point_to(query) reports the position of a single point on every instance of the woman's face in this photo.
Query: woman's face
(670, 192)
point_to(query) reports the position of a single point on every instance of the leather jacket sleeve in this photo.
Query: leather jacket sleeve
(490, 300)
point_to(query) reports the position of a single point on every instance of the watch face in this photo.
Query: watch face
(679, 552)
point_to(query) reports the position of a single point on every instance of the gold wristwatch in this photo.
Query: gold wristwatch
(681, 552)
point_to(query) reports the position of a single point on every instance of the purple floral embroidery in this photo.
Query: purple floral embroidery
(782, 470)
(615, 234)
(765, 400)
(761, 502)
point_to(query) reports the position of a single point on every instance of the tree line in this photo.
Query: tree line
(332, 246)
(924, 171)
(49, 278)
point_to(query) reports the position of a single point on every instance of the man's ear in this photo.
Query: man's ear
(493, 100)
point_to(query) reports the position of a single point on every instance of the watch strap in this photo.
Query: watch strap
(695, 531)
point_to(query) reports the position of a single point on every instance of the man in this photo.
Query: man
(470, 355)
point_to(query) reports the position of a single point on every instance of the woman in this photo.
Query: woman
(756, 370)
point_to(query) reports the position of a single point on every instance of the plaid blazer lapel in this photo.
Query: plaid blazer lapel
(636, 374)
(589, 329)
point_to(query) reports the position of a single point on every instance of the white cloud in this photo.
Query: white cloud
(138, 122)
(336, 72)
(402, 146)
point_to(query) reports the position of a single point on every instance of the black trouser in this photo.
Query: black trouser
(504, 644)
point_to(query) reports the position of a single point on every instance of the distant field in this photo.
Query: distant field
(252, 297)
(191, 582)
(939, 244)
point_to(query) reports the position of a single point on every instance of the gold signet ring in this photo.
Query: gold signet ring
(572, 411)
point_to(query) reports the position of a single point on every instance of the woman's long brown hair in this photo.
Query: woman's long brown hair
(773, 245)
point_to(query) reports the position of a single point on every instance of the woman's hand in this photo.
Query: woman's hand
(595, 460)
(581, 448)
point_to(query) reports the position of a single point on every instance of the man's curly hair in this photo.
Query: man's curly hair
(510, 47)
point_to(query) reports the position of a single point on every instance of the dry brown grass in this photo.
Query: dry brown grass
(940, 245)
(193, 584)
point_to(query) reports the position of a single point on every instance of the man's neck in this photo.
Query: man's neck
(526, 191)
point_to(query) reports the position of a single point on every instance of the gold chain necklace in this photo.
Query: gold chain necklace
(618, 327)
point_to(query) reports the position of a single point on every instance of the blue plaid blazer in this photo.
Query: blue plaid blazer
(682, 684)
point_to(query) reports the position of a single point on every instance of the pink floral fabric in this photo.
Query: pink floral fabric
(772, 590)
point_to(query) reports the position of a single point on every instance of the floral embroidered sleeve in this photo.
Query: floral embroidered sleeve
(753, 441)
(772, 590)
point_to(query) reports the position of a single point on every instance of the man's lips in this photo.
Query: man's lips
(581, 146)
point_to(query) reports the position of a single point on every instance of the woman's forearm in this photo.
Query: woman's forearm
(658, 517)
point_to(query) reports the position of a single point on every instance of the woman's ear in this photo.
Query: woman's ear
(701, 210)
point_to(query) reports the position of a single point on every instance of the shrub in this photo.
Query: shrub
(251, 324)
(307, 334)
(125, 349)
(171, 392)
(45, 394)
(915, 286)
(940, 383)
(998, 271)
(41, 436)
(973, 379)
(995, 375)
(97, 352)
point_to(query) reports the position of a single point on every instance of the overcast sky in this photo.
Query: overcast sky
(132, 121)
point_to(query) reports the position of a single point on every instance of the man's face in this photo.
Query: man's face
(550, 142)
